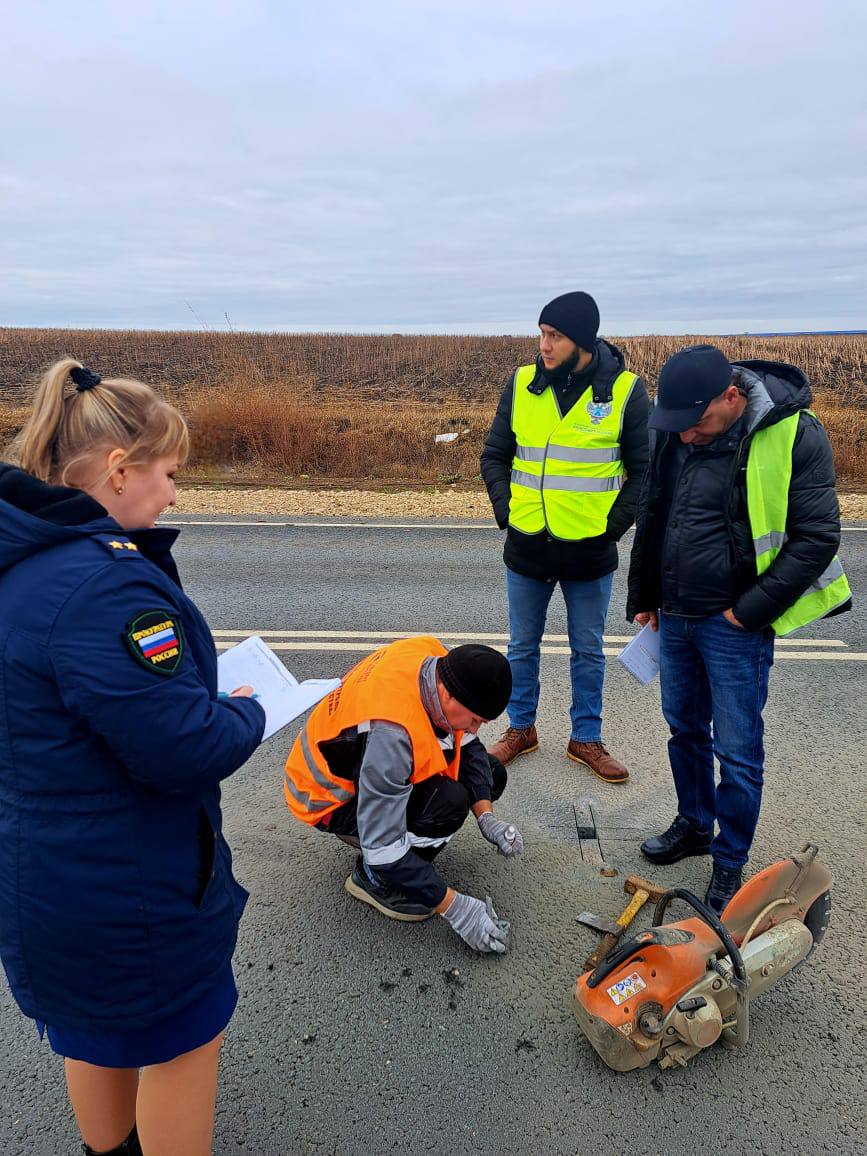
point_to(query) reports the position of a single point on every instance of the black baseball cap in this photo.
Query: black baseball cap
(688, 383)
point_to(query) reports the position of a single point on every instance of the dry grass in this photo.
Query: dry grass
(269, 431)
(295, 406)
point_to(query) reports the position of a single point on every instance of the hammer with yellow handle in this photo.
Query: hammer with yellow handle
(641, 890)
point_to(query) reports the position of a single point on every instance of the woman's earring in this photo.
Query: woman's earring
(120, 489)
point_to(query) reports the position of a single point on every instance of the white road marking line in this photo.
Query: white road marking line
(474, 635)
(361, 646)
(347, 525)
(330, 525)
(826, 655)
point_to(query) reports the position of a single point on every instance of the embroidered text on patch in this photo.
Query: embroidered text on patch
(155, 638)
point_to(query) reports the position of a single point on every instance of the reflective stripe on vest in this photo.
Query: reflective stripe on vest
(567, 470)
(769, 474)
(333, 791)
(383, 686)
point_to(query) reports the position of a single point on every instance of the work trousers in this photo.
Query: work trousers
(586, 607)
(714, 681)
(437, 808)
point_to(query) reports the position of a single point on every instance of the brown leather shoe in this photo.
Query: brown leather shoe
(595, 756)
(513, 743)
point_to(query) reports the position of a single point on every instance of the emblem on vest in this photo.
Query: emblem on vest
(599, 410)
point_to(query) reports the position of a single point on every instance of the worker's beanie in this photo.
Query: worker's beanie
(575, 315)
(479, 677)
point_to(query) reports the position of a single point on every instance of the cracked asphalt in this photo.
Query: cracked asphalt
(355, 1034)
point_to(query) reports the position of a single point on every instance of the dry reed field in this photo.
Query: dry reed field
(313, 408)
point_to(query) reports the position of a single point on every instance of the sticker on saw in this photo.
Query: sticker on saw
(625, 989)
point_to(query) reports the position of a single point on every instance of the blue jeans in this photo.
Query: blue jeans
(713, 672)
(586, 607)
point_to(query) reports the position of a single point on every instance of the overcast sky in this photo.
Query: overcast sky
(433, 165)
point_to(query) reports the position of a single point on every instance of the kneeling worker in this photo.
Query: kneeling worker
(390, 763)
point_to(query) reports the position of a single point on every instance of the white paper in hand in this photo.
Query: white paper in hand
(252, 663)
(640, 656)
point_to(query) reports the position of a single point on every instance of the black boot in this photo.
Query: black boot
(724, 882)
(129, 1147)
(680, 840)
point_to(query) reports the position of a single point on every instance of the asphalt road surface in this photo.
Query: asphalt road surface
(355, 1034)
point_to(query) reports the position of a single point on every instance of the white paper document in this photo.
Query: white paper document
(252, 663)
(640, 656)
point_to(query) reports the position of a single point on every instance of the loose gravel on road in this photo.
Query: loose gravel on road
(447, 503)
(336, 503)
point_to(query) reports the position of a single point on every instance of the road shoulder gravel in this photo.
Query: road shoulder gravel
(445, 503)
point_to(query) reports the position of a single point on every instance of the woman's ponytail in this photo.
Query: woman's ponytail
(76, 413)
(34, 447)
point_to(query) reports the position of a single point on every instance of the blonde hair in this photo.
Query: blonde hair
(68, 425)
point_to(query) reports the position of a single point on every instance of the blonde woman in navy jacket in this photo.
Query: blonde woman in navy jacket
(118, 907)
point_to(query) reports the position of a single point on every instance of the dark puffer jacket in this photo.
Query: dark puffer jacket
(541, 555)
(709, 563)
(118, 906)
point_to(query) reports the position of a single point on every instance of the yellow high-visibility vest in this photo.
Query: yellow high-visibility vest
(567, 470)
(769, 473)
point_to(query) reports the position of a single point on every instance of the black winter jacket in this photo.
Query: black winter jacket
(541, 555)
(709, 508)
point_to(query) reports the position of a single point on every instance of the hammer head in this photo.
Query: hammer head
(598, 923)
(636, 883)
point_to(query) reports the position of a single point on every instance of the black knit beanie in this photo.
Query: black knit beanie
(576, 316)
(479, 677)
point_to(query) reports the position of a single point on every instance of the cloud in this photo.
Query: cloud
(435, 165)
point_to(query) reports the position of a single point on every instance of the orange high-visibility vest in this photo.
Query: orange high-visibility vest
(383, 687)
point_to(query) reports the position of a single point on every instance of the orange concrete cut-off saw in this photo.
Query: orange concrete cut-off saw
(668, 993)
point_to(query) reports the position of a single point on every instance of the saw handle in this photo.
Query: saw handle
(610, 962)
(711, 919)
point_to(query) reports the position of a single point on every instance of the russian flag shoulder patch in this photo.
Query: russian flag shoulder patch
(156, 640)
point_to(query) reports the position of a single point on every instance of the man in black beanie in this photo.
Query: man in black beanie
(391, 764)
(563, 464)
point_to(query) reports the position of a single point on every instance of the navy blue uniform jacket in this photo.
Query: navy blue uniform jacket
(117, 901)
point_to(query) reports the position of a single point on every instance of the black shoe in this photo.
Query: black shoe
(680, 840)
(130, 1147)
(724, 882)
(390, 902)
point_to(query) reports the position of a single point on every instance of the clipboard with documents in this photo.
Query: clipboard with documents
(640, 656)
(284, 698)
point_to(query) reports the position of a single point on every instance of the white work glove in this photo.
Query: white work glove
(505, 836)
(477, 923)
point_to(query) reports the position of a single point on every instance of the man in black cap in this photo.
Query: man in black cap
(563, 464)
(736, 543)
(391, 764)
